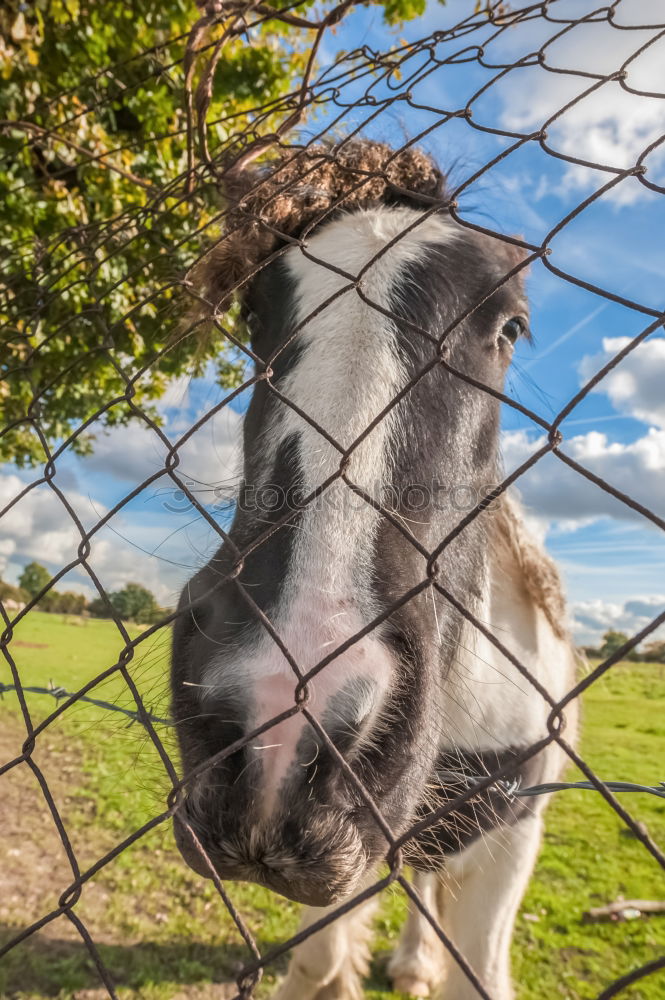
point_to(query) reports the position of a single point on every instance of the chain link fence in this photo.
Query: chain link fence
(115, 284)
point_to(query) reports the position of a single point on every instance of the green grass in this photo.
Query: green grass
(163, 932)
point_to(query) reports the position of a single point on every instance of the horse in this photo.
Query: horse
(379, 631)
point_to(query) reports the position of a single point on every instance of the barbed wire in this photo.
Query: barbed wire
(100, 274)
(59, 692)
(512, 789)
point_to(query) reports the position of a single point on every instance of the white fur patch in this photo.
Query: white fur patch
(485, 702)
(349, 370)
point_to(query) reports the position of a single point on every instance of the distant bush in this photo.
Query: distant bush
(34, 578)
(133, 603)
(654, 652)
(67, 603)
(98, 608)
(8, 592)
(612, 643)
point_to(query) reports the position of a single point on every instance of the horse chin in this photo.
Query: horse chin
(320, 866)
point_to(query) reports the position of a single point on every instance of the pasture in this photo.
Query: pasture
(165, 934)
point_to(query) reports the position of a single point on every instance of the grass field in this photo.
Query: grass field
(164, 933)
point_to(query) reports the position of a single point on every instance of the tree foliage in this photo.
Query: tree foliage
(654, 652)
(612, 642)
(133, 603)
(34, 578)
(101, 206)
(66, 603)
(8, 592)
(32, 581)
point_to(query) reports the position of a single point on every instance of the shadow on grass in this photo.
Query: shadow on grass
(48, 966)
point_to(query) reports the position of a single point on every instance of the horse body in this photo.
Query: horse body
(369, 328)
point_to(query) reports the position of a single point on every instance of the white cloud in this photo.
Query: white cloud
(636, 387)
(176, 395)
(212, 455)
(131, 454)
(554, 492)
(591, 619)
(38, 527)
(609, 126)
(7, 548)
(117, 560)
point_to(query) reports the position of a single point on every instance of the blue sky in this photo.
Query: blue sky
(613, 562)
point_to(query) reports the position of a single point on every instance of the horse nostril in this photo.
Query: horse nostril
(351, 712)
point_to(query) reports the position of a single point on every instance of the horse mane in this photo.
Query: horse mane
(280, 200)
(538, 571)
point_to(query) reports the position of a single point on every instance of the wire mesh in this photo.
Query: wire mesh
(84, 277)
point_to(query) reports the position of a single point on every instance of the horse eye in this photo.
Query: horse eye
(513, 329)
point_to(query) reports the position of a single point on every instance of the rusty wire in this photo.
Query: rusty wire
(336, 89)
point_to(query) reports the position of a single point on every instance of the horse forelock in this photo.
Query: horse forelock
(289, 194)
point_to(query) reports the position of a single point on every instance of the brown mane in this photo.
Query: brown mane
(538, 571)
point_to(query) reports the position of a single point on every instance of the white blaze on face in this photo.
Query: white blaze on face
(347, 372)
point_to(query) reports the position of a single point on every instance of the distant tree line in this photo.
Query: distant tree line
(136, 603)
(650, 652)
(133, 603)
